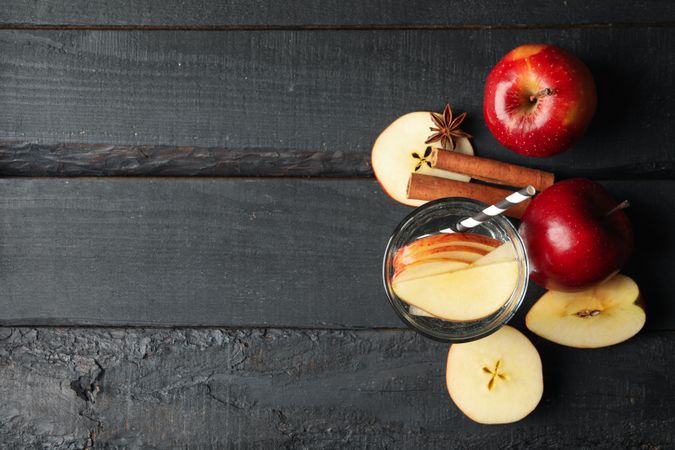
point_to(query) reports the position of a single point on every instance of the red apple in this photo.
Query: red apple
(576, 235)
(539, 99)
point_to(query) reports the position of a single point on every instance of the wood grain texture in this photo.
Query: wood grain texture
(76, 160)
(23, 159)
(270, 389)
(195, 252)
(297, 13)
(237, 252)
(319, 91)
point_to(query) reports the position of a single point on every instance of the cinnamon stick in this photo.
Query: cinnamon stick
(489, 170)
(427, 187)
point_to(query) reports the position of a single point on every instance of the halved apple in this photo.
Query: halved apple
(497, 379)
(454, 252)
(428, 267)
(604, 315)
(461, 295)
(400, 150)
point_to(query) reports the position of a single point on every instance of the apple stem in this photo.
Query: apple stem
(543, 93)
(623, 205)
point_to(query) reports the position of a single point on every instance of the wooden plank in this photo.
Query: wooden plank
(216, 388)
(291, 91)
(295, 13)
(76, 160)
(194, 252)
(235, 252)
(25, 159)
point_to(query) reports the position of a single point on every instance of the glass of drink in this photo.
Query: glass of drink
(456, 278)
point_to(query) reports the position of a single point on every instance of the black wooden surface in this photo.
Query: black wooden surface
(76, 160)
(233, 252)
(310, 356)
(317, 91)
(270, 389)
(334, 13)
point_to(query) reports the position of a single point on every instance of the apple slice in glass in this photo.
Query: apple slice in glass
(430, 244)
(429, 267)
(454, 252)
(503, 253)
(461, 295)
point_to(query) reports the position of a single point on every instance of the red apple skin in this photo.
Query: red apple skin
(557, 118)
(572, 242)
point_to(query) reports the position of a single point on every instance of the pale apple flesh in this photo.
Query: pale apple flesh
(415, 311)
(461, 295)
(444, 239)
(476, 251)
(428, 267)
(503, 253)
(401, 150)
(496, 379)
(604, 315)
(456, 252)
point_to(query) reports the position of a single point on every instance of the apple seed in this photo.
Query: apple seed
(588, 313)
(495, 374)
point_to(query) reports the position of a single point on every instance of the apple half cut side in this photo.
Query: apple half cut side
(604, 315)
(497, 379)
(461, 295)
(400, 150)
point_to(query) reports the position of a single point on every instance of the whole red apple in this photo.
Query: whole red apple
(576, 235)
(539, 99)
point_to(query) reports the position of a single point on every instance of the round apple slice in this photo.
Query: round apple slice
(604, 315)
(392, 156)
(497, 379)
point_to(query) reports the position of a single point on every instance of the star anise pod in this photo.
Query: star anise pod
(446, 129)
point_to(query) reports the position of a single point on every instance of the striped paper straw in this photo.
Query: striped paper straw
(494, 210)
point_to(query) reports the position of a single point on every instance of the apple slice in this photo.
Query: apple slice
(430, 243)
(503, 253)
(393, 159)
(604, 315)
(466, 294)
(455, 252)
(443, 239)
(428, 267)
(415, 311)
(497, 379)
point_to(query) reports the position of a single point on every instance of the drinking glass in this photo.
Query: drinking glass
(430, 218)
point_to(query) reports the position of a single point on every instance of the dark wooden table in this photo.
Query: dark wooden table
(190, 235)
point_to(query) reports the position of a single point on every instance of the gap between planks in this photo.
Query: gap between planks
(160, 327)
